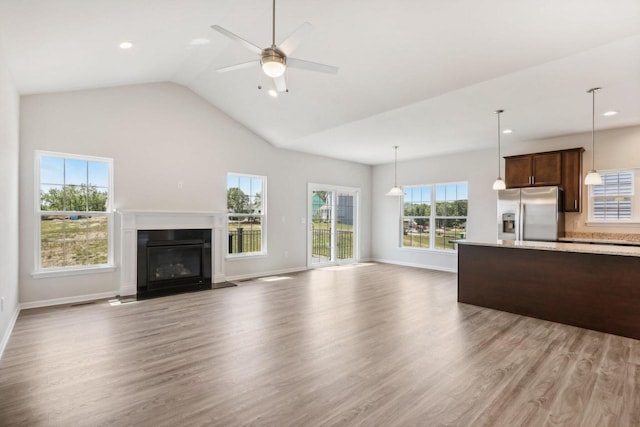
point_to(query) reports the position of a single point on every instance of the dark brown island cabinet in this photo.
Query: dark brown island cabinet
(562, 168)
(591, 286)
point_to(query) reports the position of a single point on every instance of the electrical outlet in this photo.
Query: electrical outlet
(180, 185)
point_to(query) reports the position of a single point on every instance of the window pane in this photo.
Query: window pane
(75, 252)
(52, 254)
(408, 192)
(441, 191)
(51, 228)
(75, 198)
(245, 235)
(463, 192)
(97, 227)
(98, 174)
(98, 252)
(75, 172)
(52, 170)
(256, 186)
(237, 200)
(98, 199)
(451, 192)
(448, 230)
(51, 197)
(416, 233)
(75, 228)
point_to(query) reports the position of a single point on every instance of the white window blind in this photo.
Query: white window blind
(612, 200)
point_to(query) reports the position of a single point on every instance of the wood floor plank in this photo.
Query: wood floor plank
(365, 345)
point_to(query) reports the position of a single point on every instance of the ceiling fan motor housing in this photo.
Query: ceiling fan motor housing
(273, 61)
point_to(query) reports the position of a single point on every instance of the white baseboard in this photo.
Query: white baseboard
(67, 300)
(411, 264)
(265, 273)
(7, 333)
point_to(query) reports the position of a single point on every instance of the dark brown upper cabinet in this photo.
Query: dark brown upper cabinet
(572, 179)
(534, 170)
(563, 168)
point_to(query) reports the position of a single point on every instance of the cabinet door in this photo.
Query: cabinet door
(517, 171)
(547, 169)
(572, 180)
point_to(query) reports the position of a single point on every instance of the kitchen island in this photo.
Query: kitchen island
(591, 286)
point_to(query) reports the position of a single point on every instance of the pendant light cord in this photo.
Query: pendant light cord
(395, 167)
(593, 129)
(499, 143)
(498, 112)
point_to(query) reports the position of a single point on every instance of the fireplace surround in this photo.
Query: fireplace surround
(132, 221)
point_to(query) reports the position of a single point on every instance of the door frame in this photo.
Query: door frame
(311, 187)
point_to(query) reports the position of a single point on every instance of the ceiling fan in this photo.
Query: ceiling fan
(275, 59)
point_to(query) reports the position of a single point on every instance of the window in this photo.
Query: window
(429, 228)
(246, 207)
(74, 214)
(612, 200)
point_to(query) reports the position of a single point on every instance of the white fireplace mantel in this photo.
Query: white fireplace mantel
(133, 220)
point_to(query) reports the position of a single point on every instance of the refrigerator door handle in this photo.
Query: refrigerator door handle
(520, 235)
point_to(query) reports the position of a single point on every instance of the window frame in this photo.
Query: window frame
(433, 217)
(262, 215)
(633, 219)
(41, 272)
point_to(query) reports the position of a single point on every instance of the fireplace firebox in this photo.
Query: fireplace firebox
(172, 261)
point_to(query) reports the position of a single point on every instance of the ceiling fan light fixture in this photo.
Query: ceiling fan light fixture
(273, 62)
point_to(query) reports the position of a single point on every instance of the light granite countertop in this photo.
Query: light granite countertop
(587, 248)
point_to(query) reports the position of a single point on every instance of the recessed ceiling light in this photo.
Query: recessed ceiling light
(507, 131)
(610, 113)
(273, 93)
(199, 42)
(126, 45)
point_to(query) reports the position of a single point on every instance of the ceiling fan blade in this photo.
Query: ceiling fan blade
(296, 38)
(311, 66)
(281, 83)
(252, 47)
(238, 66)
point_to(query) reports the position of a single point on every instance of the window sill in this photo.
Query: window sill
(73, 271)
(240, 257)
(612, 224)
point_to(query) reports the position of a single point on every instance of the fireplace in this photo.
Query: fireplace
(172, 261)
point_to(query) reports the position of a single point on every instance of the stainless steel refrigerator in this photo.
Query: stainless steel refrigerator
(533, 213)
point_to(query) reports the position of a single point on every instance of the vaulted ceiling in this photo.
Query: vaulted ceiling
(422, 74)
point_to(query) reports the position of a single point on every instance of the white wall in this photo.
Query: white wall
(616, 149)
(9, 110)
(159, 134)
(478, 168)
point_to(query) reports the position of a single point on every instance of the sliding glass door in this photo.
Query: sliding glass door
(332, 225)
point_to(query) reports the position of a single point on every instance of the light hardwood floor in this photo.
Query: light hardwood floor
(370, 345)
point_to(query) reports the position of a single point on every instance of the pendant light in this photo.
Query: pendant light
(499, 183)
(395, 191)
(593, 177)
